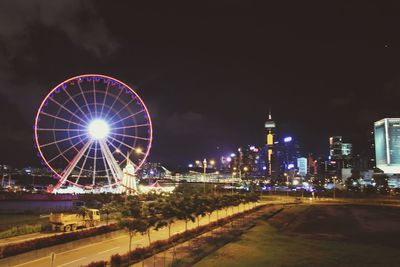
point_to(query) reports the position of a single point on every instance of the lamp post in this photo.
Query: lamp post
(287, 183)
(204, 174)
(233, 173)
(334, 187)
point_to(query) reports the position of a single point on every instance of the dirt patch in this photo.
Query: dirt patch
(287, 216)
(378, 219)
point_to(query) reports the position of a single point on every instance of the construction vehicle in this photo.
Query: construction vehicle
(72, 221)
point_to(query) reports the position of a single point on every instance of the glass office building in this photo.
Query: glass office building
(387, 145)
(302, 166)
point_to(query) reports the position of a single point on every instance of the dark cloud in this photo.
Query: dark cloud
(78, 20)
(188, 123)
(340, 101)
(16, 146)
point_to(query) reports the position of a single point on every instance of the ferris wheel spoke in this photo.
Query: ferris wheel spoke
(65, 151)
(60, 130)
(132, 136)
(84, 99)
(112, 105)
(127, 117)
(69, 111)
(62, 119)
(125, 157)
(105, 96)
(116, 113)
(132, 126)
(84, 163)
(123, 143)
(76, 104)
(62, 140)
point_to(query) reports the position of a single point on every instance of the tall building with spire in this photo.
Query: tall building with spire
(270, 127)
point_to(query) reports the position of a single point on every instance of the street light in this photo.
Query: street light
(128, 153)
(245, 169)
(204, 174)
(287, 183)
(334, 187)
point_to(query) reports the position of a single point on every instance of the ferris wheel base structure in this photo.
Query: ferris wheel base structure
(127, 186)
(127, 183)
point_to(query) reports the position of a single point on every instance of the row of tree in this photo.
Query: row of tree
(140, 216)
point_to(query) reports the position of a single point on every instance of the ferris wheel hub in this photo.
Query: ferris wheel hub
(98, 129)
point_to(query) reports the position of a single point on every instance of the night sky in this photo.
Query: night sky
(208, 70)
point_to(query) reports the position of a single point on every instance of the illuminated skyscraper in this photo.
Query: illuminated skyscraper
(340, 156)
(302, 166)
(387, 145)
(335, 147)
(270, 127)
(247, 162)
(286, 152)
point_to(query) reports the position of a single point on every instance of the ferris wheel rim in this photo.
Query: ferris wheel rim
(101, 76)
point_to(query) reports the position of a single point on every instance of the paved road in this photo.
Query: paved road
(82, 252)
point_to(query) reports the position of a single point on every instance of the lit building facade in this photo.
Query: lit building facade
(339, 150)
(347, 150)
(340, 156)
(287, 150)
(248, 162)
(335, 147)
(270, 127)
(302, 166)
(387, 145)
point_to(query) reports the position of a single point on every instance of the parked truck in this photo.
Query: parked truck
(72, 221)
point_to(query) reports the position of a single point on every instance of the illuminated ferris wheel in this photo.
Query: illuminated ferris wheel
(93, 131)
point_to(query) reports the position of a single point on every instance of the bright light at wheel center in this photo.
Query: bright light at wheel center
(98, 129)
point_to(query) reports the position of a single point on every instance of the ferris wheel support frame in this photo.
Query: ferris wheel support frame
(72, 165)
(114, 167)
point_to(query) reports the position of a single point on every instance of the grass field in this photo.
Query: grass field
(317, 236)
(20, 224)
(9, 220)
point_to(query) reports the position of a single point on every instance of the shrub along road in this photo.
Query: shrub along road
(84, 251)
